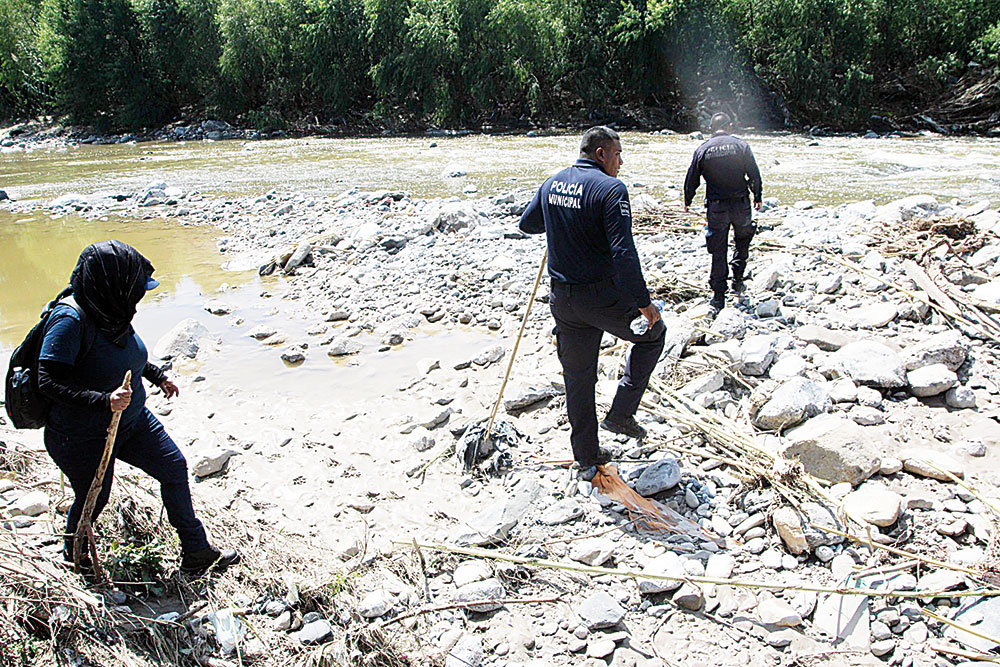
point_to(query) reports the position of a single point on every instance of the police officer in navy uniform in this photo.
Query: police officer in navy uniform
(731, 174)
(597, 287)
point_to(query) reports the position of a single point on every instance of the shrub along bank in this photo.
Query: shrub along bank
(132, 63)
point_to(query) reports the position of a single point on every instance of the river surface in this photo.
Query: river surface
(38, 252)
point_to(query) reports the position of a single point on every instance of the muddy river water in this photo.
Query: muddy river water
(37, 252)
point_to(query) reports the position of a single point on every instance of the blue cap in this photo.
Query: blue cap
(152, 283)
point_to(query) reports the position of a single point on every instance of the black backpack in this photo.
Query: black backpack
(26, 406)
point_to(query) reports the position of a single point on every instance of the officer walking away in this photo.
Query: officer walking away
(597, 286)
(731, 173)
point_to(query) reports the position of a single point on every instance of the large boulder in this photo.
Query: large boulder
(870, 363)
(908, 208)
(453, 217)
(663, 475)
(931, 380)
(834, 448)
(184, 340)
(797, 399)
(947, 347)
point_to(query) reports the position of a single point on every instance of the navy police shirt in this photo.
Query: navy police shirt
(587, 220)
(729, 168)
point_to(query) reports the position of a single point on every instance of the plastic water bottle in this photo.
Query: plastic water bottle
(640, 325)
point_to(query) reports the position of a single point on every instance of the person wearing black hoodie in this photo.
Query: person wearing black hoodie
(89, 344)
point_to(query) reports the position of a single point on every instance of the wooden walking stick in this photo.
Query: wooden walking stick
(84, 529)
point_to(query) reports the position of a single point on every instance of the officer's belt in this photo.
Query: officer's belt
(577, 288)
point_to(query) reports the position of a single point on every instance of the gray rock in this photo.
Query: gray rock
(767, 308)
(32, 503)
(454, 217)
(668, 564)
(690, 597)
(829, 284)
(729, 323)
(469, 572)
(184, 340)
(931, 463)
(834, 449)
(600, 648)
(564, 511)
(490, 590)
(821, 337)
(946, 348)
(343, 346)
(960, 398)
(680, 331)
(218, 307)
(467, 652)
(931, 380)
(293, 354)
(845, 619)
(600, 610)
(801, 530)
(593, 551)
(788, 366)
(489, 356)
(758, 354)
(704, 384)
(376, 603)
(211, 462)
(3, 196)
(525, 397)
(870, 363)
(317, 632)
(495, 523)
(864, 415)
(658, 477)
(796, 399)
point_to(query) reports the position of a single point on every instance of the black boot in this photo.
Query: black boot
(208, 558)
(586, 473)
(628, 426)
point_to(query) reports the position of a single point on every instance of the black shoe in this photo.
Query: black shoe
(628, 426)
(717, 303)
(587, 472)
(739, 286)
(209, 557)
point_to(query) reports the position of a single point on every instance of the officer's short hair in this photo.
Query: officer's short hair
(720, 121)
(595, 138)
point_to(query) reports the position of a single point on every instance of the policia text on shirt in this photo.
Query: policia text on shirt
(597, 286)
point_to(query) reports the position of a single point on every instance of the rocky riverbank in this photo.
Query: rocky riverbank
(861, 366)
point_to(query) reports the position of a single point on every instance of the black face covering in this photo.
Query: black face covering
(108, 282)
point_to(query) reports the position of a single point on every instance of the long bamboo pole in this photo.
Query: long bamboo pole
(84, 529)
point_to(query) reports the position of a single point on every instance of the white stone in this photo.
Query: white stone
(960, 398)
(469, 572)
(796, 399)
(668, 564)
(592, 551)
(467, 652)
(489, 590)
(772, 611)
(788, 366)
(870, 363)
(343, 346)
(874, 505)
(931, 380)
(758, 353)
(930, 463)
(376, 603)
(184, 340)
(946, 348)
(599, 611)
(32, 503)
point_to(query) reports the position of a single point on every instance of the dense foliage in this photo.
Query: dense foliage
(129, 63)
